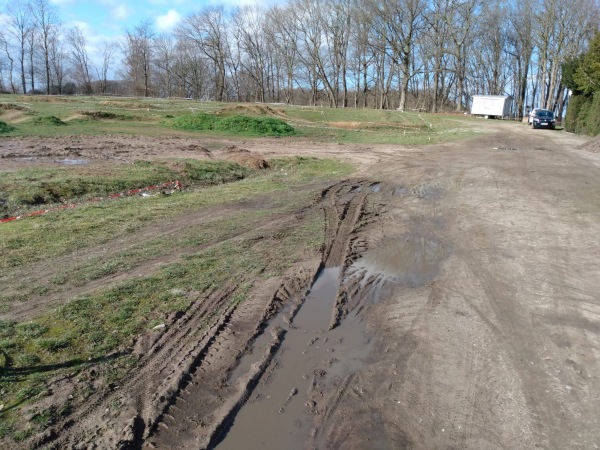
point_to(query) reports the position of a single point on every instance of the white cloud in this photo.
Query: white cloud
(168, 21)
(61, 2)
(4, 20)
(120, 12)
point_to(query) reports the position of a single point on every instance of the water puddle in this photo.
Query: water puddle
(73, 162)
(376, 187)
(412, 260)
(427, 192)
(277, 415)
(401, 191)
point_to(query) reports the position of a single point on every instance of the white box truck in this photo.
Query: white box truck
(491, 106)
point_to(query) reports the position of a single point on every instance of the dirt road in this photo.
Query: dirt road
(455, 305)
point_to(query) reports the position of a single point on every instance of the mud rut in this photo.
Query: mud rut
(266, 373)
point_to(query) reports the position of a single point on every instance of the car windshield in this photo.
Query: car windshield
(547, 114)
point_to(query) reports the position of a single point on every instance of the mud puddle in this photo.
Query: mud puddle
(412, 260)
(278, 413)
(73, 162)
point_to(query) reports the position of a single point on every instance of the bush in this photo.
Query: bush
(6, 128)
(263, 126)
(583, 115)
(48, 120)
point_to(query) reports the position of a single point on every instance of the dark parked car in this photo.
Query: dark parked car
(543, 118)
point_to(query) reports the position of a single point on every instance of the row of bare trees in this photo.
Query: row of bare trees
(35, 50)
(408, 54)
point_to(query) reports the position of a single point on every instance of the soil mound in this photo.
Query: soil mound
(196, 149)
(251, 110)
(243, 157)
(592, 146)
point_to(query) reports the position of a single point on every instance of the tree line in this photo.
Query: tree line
(428, 55)
(581, 75)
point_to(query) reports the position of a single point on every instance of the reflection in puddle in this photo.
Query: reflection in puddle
(73, 162)
(401, 191)
(412, 260)
(278, 417)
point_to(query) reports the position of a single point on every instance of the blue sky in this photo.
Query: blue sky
(104, 21)
(108, 18)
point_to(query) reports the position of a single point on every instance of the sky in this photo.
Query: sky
(104, 21)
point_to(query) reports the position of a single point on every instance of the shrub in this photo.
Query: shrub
(48, 120)
(6, 128)
(263, 126)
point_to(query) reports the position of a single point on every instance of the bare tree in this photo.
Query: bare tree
(397, 28)
(251, 39)
(79, 59)
(137, 50)
(208, 29)
(19, 28)
(520, 46)
(285, 36)
(57, 57)
(45, 19)
(561, 30)
(108, 52)
(165, 52)
(4, 44)
(31, 46)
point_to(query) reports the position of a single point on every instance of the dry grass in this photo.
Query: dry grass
(126, 104)
(372, 126)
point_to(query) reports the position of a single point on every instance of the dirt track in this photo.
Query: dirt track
(455, 305)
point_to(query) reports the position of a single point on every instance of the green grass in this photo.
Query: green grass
(62, 340)
(155, 117)
(52, 121)
(56, 233)
(6, 128)
(236, 124)
(41, 187)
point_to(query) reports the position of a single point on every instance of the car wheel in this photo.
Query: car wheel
(534, 126)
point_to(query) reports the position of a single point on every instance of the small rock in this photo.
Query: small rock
(161, 326)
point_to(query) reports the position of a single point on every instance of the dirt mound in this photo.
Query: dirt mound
(45, 99)
(126, 104)
(592, 146)
(255, 162)
(243, 157)
(197, 149)
(233, 149)
(13, 106)
(253, 110)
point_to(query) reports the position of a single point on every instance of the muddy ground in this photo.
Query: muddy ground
(454, 305)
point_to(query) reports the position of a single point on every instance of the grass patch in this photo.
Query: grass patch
(233, 247)
(141, 116)
(22, 189)
(6, 128)
(53, 234)
(258, 126)
(49, 121)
